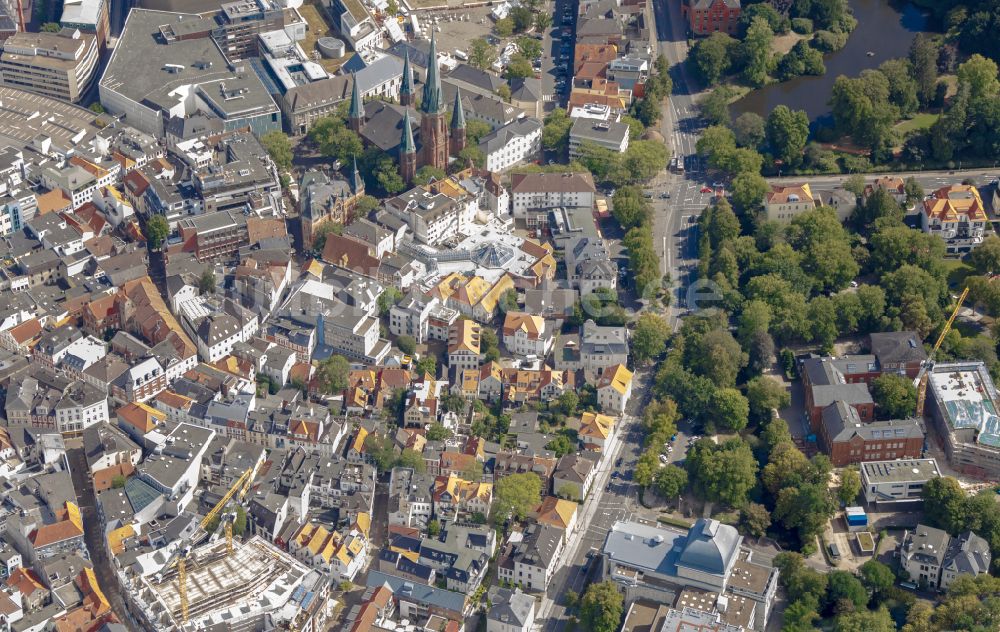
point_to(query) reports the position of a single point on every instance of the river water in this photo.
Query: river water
(883, 29)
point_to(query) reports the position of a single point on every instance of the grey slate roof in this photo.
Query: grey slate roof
(711, 547)
(380, 71)
(407, 590)
(969, 554)
(511, 607)
(894, 347)
(926, 544)
(842, 422)
(498, 139)
(215, 328)
(823, 396)
(384, 125)
(475, 77)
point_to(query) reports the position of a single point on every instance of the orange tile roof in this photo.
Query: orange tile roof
(530, 324)
(351, 254)
(617, 377)
(174, 400)
(260, 228)
(26, 331)
(556, 512)
(300, 371)
(596, 425)
(951, 203)
(783, 195)
(457, 461)
(595, 52)
(56, 532)
(140, 416)
(464, 336)
(394, 378)
(117, 537)
(103, 479)
(25, 581)
(52, 202)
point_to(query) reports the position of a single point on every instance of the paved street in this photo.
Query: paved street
(554, 68)
(612, 498)
(93, 529)
(674, 231)
(929, 180)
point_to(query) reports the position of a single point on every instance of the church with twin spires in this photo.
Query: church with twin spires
(435, 139)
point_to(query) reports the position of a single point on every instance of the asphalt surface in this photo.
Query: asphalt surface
(674, 229)
(553, 67)
(612, 497)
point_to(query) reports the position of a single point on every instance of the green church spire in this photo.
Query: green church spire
(432, 102)
(407, 146)
(457, 113)
(407, 88)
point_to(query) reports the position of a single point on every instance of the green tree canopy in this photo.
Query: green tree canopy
(765, 394)
(555, 133)
(730, 409)
(481, 53)
(516, 495)
(724, 473)
(157, 230)
(670, 481)
(206, 282)
(601, 607)
(279, 148)
(895, 396)
(406, 344)
(332, 374)
(749, 130)
(806, 508)
(649, 339)
(850, 486)
(755, 519)
(427, 173)
(755, 52)
(844, 585)
(712, 57)
(877, 577)
(787, 131)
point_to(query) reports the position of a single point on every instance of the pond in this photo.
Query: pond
(885, 31)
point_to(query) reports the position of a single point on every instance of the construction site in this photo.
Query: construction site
(256, 587)
(964, 410)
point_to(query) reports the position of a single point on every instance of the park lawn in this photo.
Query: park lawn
(920, 121)
(957, 271)
(784, 43)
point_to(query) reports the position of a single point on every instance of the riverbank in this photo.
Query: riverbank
(883, 32)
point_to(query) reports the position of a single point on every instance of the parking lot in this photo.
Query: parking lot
(455, 29)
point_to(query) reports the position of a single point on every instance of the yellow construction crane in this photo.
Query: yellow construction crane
(239, 490)
(924, 375)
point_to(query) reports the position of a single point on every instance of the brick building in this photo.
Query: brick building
(827, 381)
(848, 440)
(708, 16)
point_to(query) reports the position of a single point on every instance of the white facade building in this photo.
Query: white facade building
(533, 191)
(512, 144)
